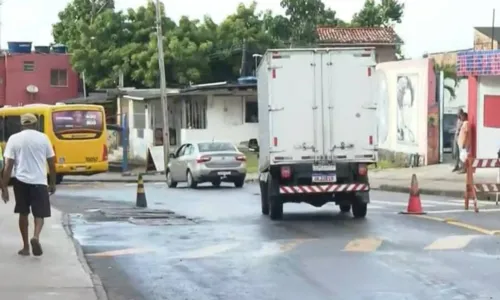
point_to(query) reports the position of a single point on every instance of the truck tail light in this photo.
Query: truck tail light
(369, 71)
(370, 140)
(275, 141)
(104, 153)
(286, 172)
(362, 169)
(203, 159)
(241, 158)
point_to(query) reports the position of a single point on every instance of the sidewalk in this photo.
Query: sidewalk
(58, 274)
(433, 180)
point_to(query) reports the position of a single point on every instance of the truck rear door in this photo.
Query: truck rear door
(350, 94)
(294, 105)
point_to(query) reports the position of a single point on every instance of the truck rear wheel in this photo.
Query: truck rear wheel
(264, 206)
(345, 208)
(274, 200)
(359, 209)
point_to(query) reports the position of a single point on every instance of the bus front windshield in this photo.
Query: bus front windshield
(69, 121)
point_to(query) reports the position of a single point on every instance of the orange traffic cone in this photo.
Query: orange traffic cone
(414, 204)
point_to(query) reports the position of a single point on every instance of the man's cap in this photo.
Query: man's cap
(28, 119)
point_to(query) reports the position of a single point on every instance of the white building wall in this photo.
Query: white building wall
(225, 121)
(488, 139)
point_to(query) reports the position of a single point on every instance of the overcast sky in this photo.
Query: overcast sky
(428, 25)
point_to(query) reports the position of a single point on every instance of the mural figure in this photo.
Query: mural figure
(406, 109)
(383, 109)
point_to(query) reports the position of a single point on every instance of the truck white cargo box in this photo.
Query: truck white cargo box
(317, 104)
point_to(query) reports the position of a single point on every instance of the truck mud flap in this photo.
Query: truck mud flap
(324, 188)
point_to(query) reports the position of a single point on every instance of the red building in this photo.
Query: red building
(36, 78)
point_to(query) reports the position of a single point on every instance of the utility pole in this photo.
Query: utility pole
(163, 87)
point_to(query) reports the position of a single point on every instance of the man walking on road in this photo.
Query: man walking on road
(456, 148)
(27, 153)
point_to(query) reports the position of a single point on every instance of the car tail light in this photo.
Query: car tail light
(241, 158)
(275, 141)
(370, 139)
(104, 153)
(369, 71)
(203, 159)
(286, 172)
(362, 169)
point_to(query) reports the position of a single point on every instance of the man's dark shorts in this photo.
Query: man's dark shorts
(32, 198)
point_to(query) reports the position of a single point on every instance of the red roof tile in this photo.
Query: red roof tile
(353, 35)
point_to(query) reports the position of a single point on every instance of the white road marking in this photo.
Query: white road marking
(209, 251)
(471, 209)
(451, 242)
(396, 203)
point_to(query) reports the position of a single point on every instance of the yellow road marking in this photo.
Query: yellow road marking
(363, 245)
(120, 252)
(451, 242)
(460, 224)
(292, 244)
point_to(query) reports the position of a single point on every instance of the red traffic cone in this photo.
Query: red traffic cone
(414, 204)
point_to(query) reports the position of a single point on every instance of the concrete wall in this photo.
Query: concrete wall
(225, 120)
(403, 108)
(488, 139)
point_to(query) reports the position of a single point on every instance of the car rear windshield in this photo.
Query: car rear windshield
(215, 146)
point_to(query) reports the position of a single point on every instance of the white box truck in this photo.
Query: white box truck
(317, 127)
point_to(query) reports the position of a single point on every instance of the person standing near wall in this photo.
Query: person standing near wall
(463, 142)
(456, 148)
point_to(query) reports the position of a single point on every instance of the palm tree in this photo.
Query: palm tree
(449, 72)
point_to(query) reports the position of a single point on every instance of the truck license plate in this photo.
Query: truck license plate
(321, 177)
(324, 168)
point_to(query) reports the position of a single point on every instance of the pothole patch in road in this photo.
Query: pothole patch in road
(137, 216)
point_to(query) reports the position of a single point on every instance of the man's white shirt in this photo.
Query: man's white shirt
(29, 149)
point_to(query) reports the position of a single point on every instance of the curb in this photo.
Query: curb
(99, 290)
(434, 192)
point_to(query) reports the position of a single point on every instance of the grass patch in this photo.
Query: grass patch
(252, 162)
(383, 164)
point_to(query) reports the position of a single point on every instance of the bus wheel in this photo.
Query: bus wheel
(59, 179)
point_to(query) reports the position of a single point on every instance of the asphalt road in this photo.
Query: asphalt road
(214, 244)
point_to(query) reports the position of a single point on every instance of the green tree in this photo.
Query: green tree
(96, 48)
(140, 52)
(385, 13)
(449, 74)
(304, 17)
(66, 31)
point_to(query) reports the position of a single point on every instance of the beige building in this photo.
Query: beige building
(384, 39)
(484, 37)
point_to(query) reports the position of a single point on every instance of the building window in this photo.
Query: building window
(251, 112)
(58, 77)
(29, 66)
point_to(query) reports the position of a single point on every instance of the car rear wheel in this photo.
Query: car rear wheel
(170, 182)
(190, 180)
(239, 183)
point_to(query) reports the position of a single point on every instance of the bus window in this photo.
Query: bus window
(78, 122)
(39, 125)
(12, 126)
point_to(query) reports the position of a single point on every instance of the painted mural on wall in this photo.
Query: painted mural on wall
(406, 110)
(383, 110)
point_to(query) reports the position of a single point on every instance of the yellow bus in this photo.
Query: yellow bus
(77, 132)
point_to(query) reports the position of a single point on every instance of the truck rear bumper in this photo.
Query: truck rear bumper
(324, 188)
